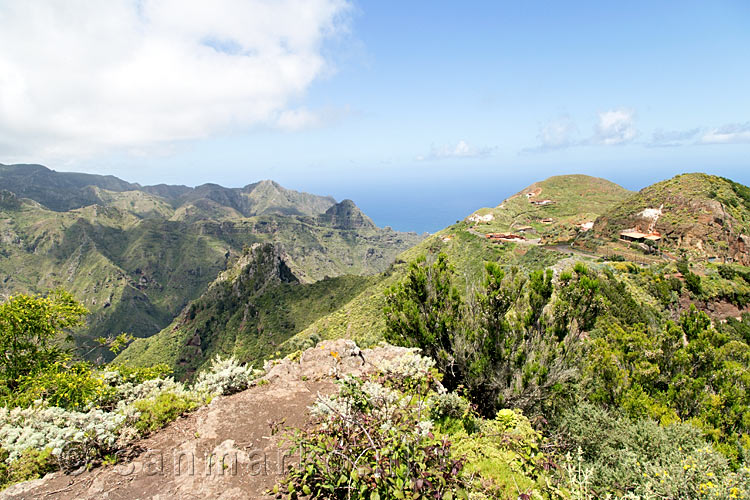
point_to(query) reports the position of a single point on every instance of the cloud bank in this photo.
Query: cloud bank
(461, 149)
(81, 77)
(613, 127)
(735, 133)
(557, 134)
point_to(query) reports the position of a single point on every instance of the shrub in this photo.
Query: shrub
(156, 412)
(448, 405)
(41, 427)
(226, 376)
(74, 386)
(32, 464)
(621, 456)
(138, 374)
(373, 441)
(693, 283)
(504, 458)
(30, 330)
(425, 311)
(500, 361)
(688, 371)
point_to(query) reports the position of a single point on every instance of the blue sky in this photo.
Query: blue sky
(419, 111)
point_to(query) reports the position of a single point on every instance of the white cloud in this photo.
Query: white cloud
(671, 138)
(557, 134)
(728, 134)
(615, 127)
(82, 77)
(461, 149)
(297, 119)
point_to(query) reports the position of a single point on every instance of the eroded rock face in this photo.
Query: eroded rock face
(346, 215)
(231, 449)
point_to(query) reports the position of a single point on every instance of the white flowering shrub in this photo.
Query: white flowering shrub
(128, 392)
(42, 427)
(374, 437)
(409, 365)
(226, 376)
(447, 405)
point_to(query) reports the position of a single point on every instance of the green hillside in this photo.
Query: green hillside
(362, 318)
(704, 215)
(570, 200)
(247, 313)
(137, 256)
(577, 198)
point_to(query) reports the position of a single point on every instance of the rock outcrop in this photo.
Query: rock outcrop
(230, 449)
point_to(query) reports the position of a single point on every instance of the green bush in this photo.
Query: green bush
(689, 371)
(139, 374)
(73, 386)
(500, 361)
(157, 412)
(31, 330)
(371, 441)
(32, 464)
(617, 455)
(504, 458)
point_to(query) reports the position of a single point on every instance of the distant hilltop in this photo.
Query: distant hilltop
(705, 216)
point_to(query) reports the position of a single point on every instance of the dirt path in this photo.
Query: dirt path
(228, 450)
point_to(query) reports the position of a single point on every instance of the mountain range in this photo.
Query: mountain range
(239, 316)
(258, 270)
(137, 255)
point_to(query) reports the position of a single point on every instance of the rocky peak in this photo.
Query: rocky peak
(346, 215)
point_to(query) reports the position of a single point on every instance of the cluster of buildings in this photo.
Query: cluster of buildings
(633, 235)
(505, 237)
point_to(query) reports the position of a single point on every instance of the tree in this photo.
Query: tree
(499, 345)
(578, 302)
(32, 328)
(425, 311)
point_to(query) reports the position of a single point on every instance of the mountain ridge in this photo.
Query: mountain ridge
(63, 191)
(136, 261)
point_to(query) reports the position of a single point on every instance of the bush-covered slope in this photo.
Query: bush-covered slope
(660, 285)
(705, 215)
(247, 313)
(136, 256)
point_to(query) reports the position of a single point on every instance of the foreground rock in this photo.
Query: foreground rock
(231, 449)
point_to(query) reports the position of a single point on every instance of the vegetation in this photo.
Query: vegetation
(398, 434)
(31, 328)
(374, 440)
(246, 313)
(63, 413)
(136, 256)
(581, 343)
(502, 361)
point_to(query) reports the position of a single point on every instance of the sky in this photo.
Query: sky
(421, 112)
